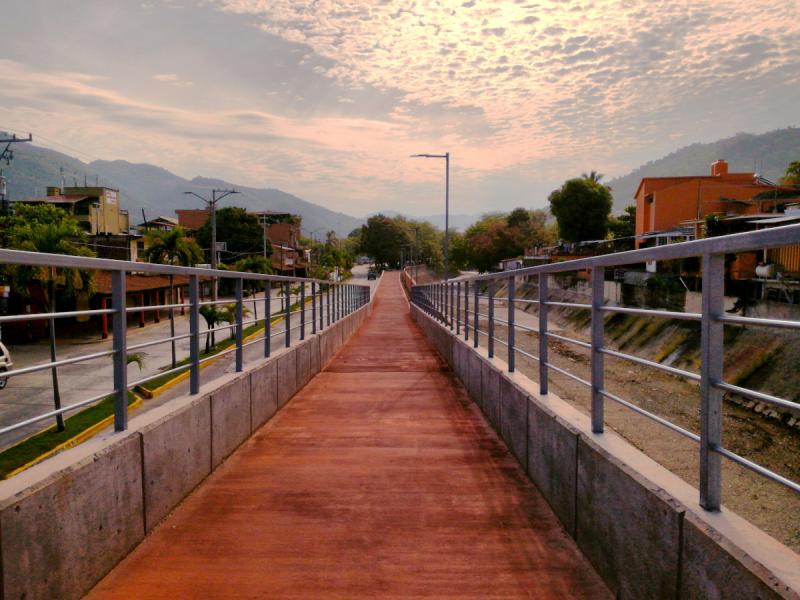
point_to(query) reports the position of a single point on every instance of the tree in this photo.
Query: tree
(581, 208)
(46, 228)
(241, 232)
(623, 228)
(792, 176)
(171, 248)
(382, 238)
(212, 317)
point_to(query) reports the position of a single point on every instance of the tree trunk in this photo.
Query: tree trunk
(54, 370)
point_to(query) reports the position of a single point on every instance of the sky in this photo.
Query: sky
(327, 99)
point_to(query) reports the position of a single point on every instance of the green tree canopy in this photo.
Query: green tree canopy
(581, 208)
(792, 176)
(171, 247)
(240, 230)
(382, 238)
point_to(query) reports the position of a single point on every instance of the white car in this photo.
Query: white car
(5, 364)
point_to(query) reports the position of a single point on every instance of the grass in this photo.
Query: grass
(35, 446)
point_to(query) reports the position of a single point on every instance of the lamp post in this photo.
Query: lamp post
(216, 196)
(446, 157)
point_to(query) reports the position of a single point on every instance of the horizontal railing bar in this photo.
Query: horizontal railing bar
(531, 356)
(772, 475)
(569, 340)
(53, 413)
(568, 374)
(648, 312)
(159, 374)
(526, 328)
(727, 244)
(217, 302)
(59, 363)
(782, 323)
(56, 315)
(754, 395)
(42, 259)
(159, 341)
(151, 307)
(651, 416)
(497, 339)
(653, 364)
(568, 304)
(525, 301)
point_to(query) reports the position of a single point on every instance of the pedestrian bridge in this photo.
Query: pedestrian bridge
(406, 465)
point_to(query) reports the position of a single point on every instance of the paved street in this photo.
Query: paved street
(29, 395)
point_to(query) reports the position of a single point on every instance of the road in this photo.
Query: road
(29, 395)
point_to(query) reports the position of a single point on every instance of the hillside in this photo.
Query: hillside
(768, 154)
(154, 189)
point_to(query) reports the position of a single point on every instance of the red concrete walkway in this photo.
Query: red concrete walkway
(379, 479)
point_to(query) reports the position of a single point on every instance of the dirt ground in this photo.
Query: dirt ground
(770, 506)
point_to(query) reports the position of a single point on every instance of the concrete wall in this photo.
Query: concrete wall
(640, 526)
(68, 521)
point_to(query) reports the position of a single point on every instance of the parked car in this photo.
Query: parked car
(372, 275)
(5, 363)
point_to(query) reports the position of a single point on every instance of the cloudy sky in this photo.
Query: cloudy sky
(326, 99)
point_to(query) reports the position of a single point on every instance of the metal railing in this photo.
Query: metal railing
(447, 301)
(311, 308)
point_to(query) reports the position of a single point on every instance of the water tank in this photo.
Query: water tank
(765, 271)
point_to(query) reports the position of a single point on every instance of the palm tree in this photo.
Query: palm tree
(212, 317)
(48, 229)
(228, 315)
(595, 177)
(172, 247)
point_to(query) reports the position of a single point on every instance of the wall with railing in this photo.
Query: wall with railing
(471, 324)
(64, 523)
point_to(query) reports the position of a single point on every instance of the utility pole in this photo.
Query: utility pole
(7, 155)
(216, 196)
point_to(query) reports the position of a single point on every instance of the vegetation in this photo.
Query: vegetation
(496, 237)
(581, 207)
(253, 264)
(792, 175)
(239, 229)
(171, 247)
(46, 228)
(623, 228)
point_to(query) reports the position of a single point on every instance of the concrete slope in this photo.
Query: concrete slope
(379, 479)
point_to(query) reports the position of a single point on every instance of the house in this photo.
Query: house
(99, 213)
(670, 209)
(192, 218)
(158, 224)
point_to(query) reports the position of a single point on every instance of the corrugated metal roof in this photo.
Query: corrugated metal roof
(784, 219)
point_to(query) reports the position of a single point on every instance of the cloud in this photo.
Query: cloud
(173, 79)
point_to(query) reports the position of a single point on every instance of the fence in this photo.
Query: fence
(457, 304)
(317, 304)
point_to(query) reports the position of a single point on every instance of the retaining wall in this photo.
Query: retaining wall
(68, 521)
(638, 524)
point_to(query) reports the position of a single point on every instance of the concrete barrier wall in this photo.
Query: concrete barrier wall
(640, 526)
(68, 521)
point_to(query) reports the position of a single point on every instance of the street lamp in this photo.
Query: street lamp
(216, 196)
(446, 157)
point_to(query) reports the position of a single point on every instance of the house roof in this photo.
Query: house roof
(136, 283)
(55, 199)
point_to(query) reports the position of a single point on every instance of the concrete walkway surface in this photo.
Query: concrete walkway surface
(380, 479)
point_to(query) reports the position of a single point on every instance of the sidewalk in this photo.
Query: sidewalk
(379, 479)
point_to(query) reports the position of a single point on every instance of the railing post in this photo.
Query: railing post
(458, 308)
(287, 317)
(120, 345)
(475, 319)
(328, 302)
(267, 317)
(598, 296)
(543, 333)
(451, 298)
(511, 329)
(321, 311)
(302, 310)
(711, 348)
(466, 310)
(194, 334)
(313, 308)
(490, 328)
(239, 325)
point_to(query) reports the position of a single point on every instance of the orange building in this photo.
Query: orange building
(676, 207)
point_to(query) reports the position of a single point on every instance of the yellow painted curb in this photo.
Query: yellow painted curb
(75, 440)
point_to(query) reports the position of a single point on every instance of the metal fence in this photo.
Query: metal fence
(309, 306)
(457, 304)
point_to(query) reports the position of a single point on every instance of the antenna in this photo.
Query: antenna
(63, 184)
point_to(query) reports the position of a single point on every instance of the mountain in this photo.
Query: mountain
(156, 190)
(767, 154)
